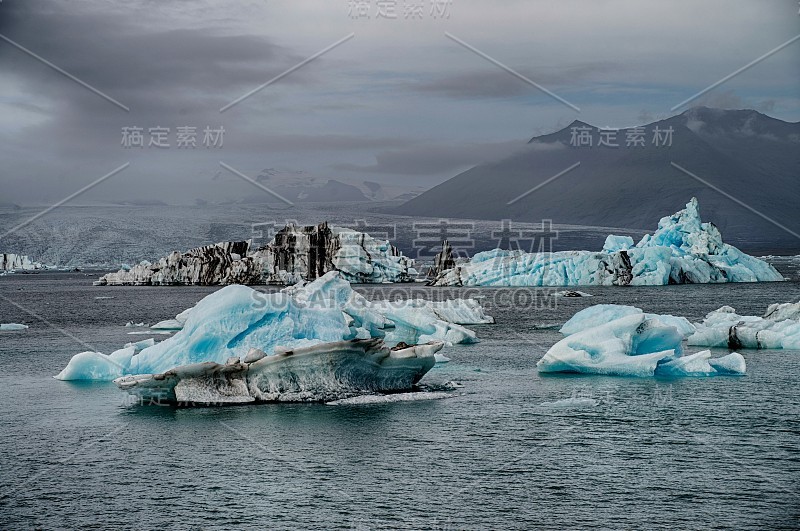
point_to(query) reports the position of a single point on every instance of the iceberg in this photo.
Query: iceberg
(322, 372)
(625, 341)
(632, 345)
(683, 250)
(237, 321)
(778, 328)
(295, 254)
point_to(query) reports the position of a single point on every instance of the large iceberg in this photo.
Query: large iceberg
(317, 373)
(237, 320)
(683, 250)
(625, 341)
(294, 254)
(779, 328)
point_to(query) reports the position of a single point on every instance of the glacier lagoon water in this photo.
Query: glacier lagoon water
(509, 448)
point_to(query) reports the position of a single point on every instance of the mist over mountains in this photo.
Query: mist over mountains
(739, 154)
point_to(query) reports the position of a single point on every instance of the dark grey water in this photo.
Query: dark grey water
(688, 453)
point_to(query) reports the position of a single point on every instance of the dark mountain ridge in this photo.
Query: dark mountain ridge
(740, 154)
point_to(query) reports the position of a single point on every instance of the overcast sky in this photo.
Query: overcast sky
(400, 102)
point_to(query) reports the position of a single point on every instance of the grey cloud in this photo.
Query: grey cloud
(433, 159)
(143, 69)
(490, 81)
(729, 99)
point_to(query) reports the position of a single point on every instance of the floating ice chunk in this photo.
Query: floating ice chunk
(321, 372)
(150, 333)
(632, 345)
(441, 358)
(131, 324)
(779, 328)
(570, 294)
(12, 326)
(636, 344)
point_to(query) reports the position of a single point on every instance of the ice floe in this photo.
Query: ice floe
(778, 328)
(625, 341)
(12, 326)
(683, 250)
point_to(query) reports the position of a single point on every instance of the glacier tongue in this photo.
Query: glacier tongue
(682, 250)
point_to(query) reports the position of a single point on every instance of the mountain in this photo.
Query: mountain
(299, 186)
(742, 153)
